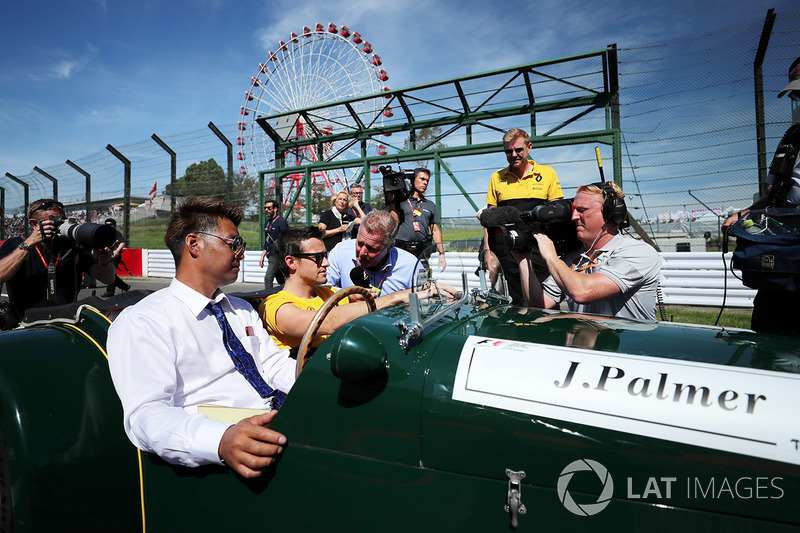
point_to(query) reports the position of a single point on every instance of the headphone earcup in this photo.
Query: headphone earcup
(614, 208)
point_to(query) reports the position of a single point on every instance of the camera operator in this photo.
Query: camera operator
(612, 274)
(418, 219)
(45, 269)
(775, 310)
(523, 184)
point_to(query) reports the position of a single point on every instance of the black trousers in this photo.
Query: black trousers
(512, 273)
(776, 312)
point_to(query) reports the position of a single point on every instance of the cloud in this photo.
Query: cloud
(64, 69)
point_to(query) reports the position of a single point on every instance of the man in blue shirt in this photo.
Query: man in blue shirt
(374, 258)
(273, 227)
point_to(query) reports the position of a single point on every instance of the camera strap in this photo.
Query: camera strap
(51, 273)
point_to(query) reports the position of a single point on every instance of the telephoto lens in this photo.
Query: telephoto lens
(88, 234)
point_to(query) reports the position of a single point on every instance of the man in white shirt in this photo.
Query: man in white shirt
(167, 354)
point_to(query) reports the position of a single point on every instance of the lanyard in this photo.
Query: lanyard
(380, 284)
(589, 265)
(414, 211)
(51, 274)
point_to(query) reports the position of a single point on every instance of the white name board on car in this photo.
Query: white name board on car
(740, 410)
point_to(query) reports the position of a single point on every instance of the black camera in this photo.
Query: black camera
(88, 234)
(395, 188)
(512, 229)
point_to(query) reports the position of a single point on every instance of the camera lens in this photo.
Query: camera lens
(89, 234)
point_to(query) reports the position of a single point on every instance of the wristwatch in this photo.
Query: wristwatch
(24, 246)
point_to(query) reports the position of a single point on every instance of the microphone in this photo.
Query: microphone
(359, 277)
(500, 216)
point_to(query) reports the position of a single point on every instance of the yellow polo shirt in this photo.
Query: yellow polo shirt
(541, 182)
(269, 308)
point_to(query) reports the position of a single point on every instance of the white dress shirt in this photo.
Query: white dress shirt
(167, 356)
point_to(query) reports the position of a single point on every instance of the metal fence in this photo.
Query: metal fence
(686, 278)
(688, 130)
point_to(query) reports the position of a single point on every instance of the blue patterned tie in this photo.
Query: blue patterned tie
(243, 361)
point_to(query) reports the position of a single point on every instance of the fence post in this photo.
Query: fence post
(27, 200)
(759, 94)
(173, 170)
(126, 205)
(229, 146)
(51, 178)
(88, 185)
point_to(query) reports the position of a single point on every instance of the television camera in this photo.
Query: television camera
(395, 188)
(511, 229)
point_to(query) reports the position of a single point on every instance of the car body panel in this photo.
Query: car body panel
(393, 450)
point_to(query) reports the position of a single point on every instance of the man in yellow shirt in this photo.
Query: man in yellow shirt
(304, 262)
(523, 184)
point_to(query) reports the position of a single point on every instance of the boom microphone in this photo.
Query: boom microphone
(359, 277)
(500, 216)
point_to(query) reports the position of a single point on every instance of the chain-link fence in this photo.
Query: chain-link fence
(689, 145)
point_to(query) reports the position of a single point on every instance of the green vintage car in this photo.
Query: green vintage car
(468, 415)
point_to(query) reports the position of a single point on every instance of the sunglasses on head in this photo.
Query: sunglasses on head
(512, 150)
(236, 244)
(47, 206)
(317, 257)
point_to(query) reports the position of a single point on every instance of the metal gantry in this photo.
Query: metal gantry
(578, 96)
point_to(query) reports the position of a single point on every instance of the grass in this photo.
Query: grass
(149, 234)
(731, 317)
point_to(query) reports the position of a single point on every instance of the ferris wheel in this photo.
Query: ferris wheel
(315, 67)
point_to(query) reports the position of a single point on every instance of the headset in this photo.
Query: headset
(614, 208)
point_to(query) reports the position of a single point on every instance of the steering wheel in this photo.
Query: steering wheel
(316, 322)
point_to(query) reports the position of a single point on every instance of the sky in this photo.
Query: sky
(80, 74)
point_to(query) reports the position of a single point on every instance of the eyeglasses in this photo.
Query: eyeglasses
(236, 244)
(794, 95)
(513, 150)
(270, 207)
(47, 206)
(317, 257)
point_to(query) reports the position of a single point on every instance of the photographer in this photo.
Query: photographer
(775, 310)
(523, 184)
(45, 269)
(612, 274)
(418, 219)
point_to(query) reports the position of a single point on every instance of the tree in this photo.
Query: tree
(207, 179)
(424, 137)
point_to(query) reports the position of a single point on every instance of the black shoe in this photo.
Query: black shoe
(126, 288)
(107, 294)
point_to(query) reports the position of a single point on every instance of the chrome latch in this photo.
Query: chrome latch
(514, 505)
